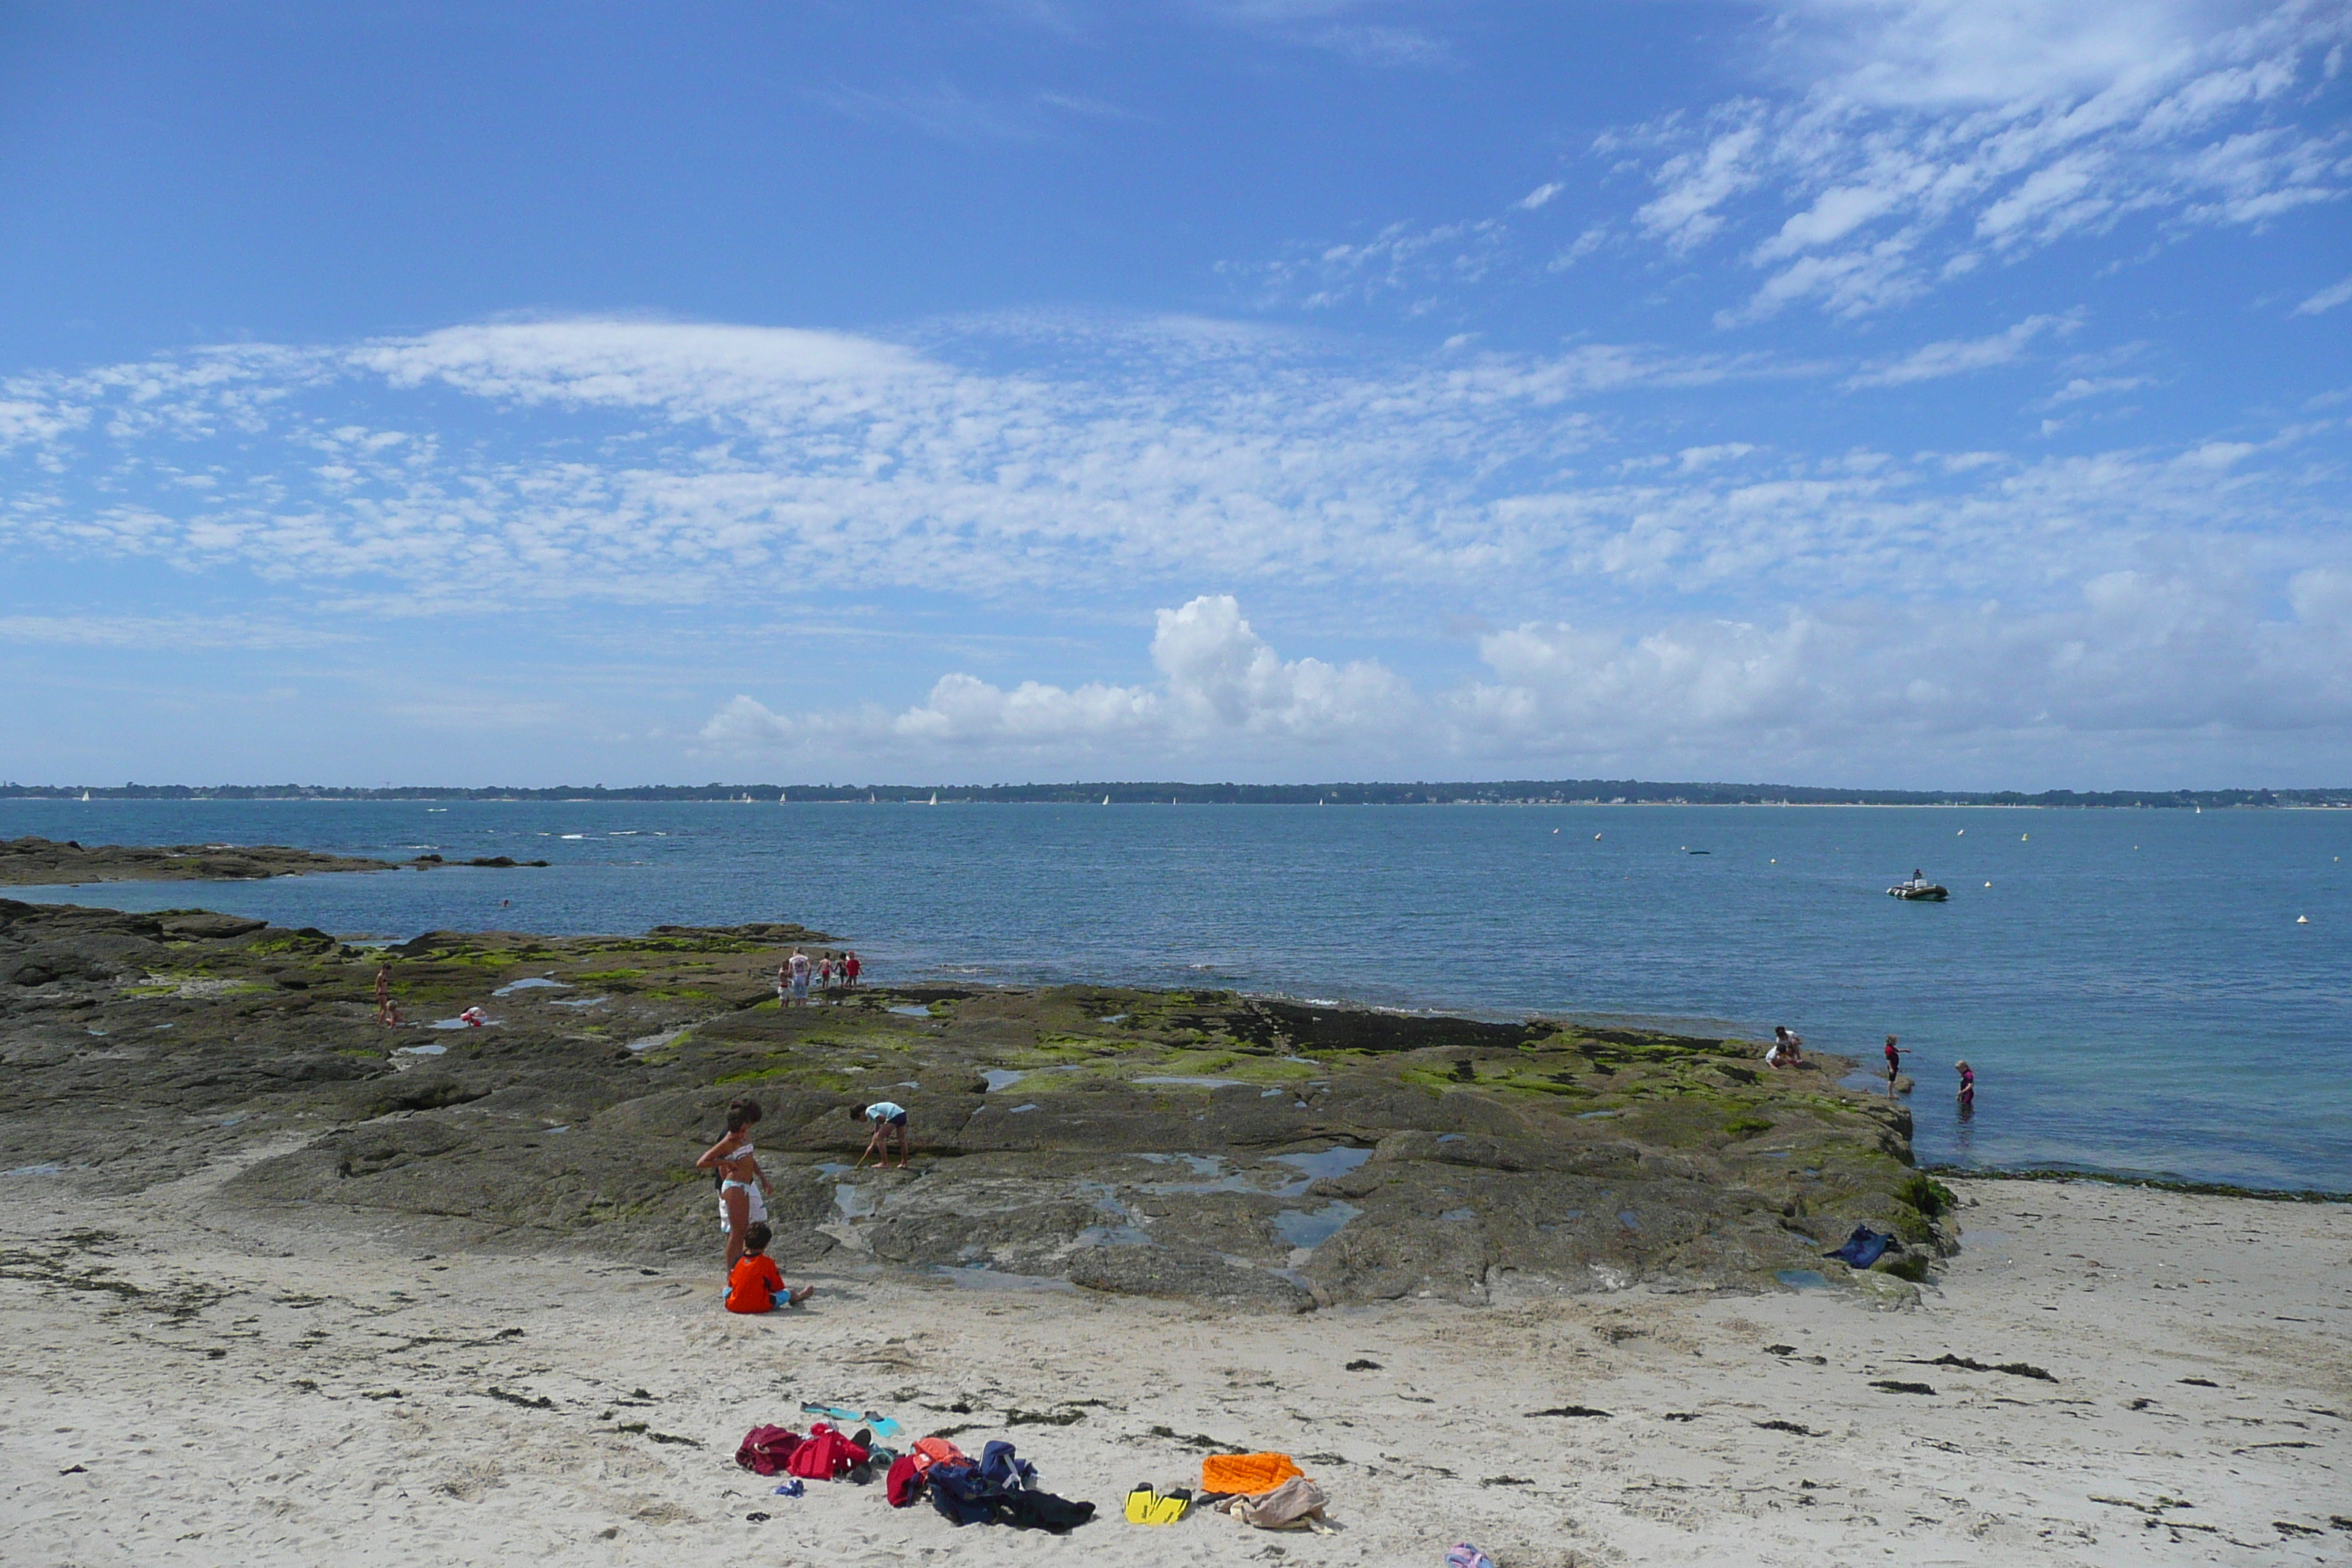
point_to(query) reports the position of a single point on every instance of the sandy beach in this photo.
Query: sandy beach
(194, 1382)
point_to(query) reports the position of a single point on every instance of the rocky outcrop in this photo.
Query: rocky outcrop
(30, 862)
(1272, 1154)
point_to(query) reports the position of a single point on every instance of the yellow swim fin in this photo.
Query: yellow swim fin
(1139, 1504)
(1172, 1507)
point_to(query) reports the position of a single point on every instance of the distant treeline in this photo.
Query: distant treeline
(1505, 791)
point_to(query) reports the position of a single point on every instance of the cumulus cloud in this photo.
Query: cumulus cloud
(2136, 653)
(1221, 684)
(2132, 656)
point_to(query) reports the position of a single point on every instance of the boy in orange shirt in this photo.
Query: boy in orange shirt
(755, 1286)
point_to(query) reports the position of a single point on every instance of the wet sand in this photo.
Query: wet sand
(191, 1382)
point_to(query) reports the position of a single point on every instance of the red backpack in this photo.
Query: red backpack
(825, 1454)
(768, 1450)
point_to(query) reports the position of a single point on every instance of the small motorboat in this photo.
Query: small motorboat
(1919, 890)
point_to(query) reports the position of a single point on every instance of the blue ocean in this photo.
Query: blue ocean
(2157, 991)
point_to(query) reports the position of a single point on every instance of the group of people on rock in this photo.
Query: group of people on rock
(1787, 1051)
(797, 974)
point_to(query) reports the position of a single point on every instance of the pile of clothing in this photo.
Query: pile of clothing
(999, 1487)
(825, 1454)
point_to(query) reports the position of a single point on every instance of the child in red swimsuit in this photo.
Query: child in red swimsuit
(755, 1286)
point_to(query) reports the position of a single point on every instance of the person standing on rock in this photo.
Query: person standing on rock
(743, 1185)
(1893, 1065)
(849, 968)
(799, 965)
(386, 1012)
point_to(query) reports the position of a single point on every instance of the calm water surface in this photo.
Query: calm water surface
(2132, 987)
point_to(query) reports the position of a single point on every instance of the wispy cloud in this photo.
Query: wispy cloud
(943, 110)
(1896, 145)
(1960, 356)
(2327, 299)
(659, 463)
(1930, 137)
(167, 633)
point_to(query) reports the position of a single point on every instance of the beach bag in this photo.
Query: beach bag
(767, 1450)
(825, 1454)
(1000, 1471)
(904, 1482)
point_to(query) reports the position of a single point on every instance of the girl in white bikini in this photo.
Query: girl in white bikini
(741, 1183)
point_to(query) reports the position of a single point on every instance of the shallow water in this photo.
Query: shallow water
(2132, 988)
(1302, 1228)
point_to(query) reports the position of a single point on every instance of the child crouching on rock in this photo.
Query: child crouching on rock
(886, 1117)
(756, 1286)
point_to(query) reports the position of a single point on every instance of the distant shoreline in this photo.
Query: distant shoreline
(1511, 791)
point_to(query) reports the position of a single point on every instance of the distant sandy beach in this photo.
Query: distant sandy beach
(333, 1388)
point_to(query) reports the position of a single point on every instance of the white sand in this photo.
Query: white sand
(324, 1400)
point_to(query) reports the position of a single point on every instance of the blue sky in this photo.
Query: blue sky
(1891, 391)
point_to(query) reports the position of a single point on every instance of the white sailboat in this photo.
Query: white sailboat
(1105, 800)
(935, 797)
(85, 796)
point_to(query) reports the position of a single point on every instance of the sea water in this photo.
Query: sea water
(2132, 987)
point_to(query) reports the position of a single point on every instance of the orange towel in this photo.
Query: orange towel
(1248, 1474)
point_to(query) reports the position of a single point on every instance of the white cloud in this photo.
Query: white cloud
(2133, 657)
(174, 633)
(639, 462)
(1220, 685)
(725, 477)
(1540, 196)
(2139, 654)
(2327, 299)
(1923, 133)
(1958, 356)
(2082, 387)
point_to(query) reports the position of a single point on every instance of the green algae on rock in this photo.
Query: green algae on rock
(1271, 1154)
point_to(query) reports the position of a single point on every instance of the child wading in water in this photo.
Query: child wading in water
(741, 1183)
(1967, 1090)
(754, 1284)
(884, 1116)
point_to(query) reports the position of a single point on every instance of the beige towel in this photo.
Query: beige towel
(1295, 1504)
